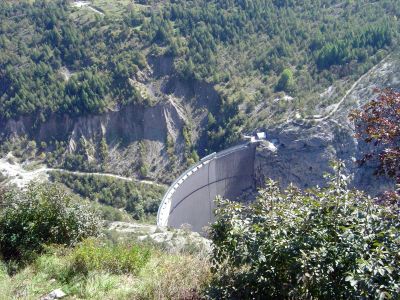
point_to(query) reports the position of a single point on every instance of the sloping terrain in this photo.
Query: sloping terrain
(144, 88)
(305, 147)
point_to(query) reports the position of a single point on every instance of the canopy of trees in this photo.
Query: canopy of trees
(140, 200)
(39, 39)
(52, 63)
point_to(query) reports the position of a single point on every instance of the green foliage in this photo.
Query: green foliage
(139, 200)
(354, 46)
(286, 81)
(223, 131)
(143, 166)
(41, 40)
(94, 255)
(78, 160)
(86, 93)
(190, 153)
(59, 65)
(325, 243)
(103, 150)
(109, 213)
(288, 26)
(42, 215)
(193, 158)
(162, 276)
(170, 148)
(144, 170)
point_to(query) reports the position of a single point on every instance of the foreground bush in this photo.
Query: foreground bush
(328, 243)
(96, 255)
(42, 215)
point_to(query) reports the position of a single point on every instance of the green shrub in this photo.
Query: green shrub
(325, 243)
(109, 213)
(138, 199)
(95, 255)
(286, 81)
(43, 214)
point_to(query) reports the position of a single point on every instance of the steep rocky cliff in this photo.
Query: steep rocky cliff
(305, 147)
(135, 133)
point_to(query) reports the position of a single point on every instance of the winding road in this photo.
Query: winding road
(21, 177)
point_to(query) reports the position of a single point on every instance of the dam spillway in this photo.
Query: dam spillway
(190, 199)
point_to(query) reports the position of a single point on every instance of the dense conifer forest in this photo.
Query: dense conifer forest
(57, 58)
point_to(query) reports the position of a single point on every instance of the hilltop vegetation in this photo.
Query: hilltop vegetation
(38, 40)
(59, 58)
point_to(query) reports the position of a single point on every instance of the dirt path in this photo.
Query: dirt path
(105, 175)
(19, 176)
(348, 92)
(80, 4)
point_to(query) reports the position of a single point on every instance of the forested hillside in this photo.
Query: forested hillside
(275, 56)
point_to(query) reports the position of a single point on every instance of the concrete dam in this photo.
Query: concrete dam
(190, 199)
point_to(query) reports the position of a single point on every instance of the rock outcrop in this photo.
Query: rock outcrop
(305, 148)
(172, 104)
(172, 240)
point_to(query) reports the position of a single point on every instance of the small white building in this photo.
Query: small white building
(259, 136)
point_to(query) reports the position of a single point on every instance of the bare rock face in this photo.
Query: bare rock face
(127, 126)
(305, 148)
(298, 159)
(172, 240)
(56, 294)
(303, 155)
(131, 123)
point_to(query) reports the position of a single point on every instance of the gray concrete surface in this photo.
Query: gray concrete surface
(190, 199)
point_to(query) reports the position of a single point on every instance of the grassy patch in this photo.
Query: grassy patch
(173, 277)
(94, 255)
(157, 276)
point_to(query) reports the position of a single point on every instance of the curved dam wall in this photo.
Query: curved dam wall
(190, 199)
